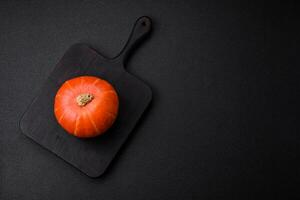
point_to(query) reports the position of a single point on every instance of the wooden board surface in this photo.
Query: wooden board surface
(91, 156)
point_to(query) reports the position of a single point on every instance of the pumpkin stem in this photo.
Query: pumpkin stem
(84, 99)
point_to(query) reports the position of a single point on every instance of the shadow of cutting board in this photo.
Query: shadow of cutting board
(91, 156)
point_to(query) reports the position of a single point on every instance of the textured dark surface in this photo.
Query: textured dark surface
(224, 123)
(91, 156)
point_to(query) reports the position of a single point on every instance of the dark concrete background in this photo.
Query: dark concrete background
(224, 122)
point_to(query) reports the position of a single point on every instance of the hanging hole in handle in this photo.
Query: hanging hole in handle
(144, 23)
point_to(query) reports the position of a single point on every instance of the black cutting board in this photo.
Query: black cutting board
(91, 156)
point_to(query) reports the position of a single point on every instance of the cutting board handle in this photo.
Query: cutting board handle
(140, 30)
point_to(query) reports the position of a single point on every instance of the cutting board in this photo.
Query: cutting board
(91, 156)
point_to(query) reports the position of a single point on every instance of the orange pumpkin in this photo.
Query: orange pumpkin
(86, 106)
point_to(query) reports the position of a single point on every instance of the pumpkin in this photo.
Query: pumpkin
(86, 106)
